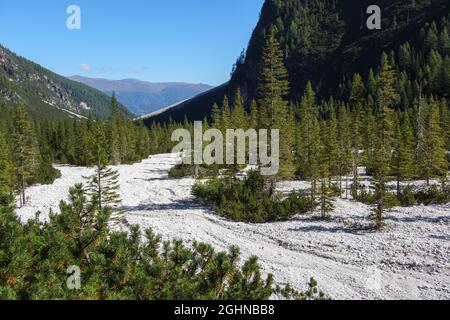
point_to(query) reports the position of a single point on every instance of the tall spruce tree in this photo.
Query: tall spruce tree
(273, 88)
(325, 194)
(308, 140)
(6, 170)
(357, 100)
(403, 153)
(239, 115)
(25, 150)
(384, 135)
(103, 185)
(432, 154)
(114, 135)
(344, 155)
(215, 117)
(225, 119)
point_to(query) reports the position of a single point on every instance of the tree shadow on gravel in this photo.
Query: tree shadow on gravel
(178, 206)
(353, 229)
(439, 219)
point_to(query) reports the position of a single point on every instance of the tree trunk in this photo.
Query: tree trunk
(23, 192)
(346, 187)
(99, 189)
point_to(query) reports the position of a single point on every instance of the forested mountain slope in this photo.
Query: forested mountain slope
(46, 93)
(327, 42)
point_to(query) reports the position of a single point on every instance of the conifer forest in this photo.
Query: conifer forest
(318, 171)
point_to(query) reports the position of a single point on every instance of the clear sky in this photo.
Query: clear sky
(154, 40)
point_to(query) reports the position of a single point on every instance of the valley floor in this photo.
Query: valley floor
(410, 259)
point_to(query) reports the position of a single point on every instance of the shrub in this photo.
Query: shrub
(434, 195)
(181, 171)
(186, 170)
(407, 197)
(45, 174)
(250, 200)
(117, 265)
(364, 196)
(391, 200)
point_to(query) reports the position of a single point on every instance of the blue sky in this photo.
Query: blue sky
(154, 40)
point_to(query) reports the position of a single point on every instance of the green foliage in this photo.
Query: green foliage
(103, 185)
(273, 88)
(407, 197)
(28, 148)
(185, 170)
(45, 173)
(251, 200)
(46, 93)
(34, 259)
(431, 150)
(312, 293)
(326, 199)
(372, 197)
(433, 195)
(25, 151)
(6, 168)
(182, 171)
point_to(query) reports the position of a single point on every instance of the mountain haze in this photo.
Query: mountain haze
(142, 97)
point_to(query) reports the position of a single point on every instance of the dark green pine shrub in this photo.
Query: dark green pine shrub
(407, 197)
(390, 200)
(187, 170)
(181, 171)
(34, 259)
(434, 195)
(250, 200)
(45, 173)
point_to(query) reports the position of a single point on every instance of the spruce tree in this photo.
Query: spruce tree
(325, 193)
(115, 127)
(25, 151)
(225, 122)
(344, 155)
(103, 185)
(357, 100)
(6, 170)
(239, 116)
(403, 153)
(273, 84)
(384, 135)
(372, 84)
(330, 145)
(254, 118)
(215, 117)
(357, 94)
(308, 140)
(432, 154)
(273, 88)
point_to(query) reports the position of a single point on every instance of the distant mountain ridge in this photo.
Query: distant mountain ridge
(142, 97)
(46, 93)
